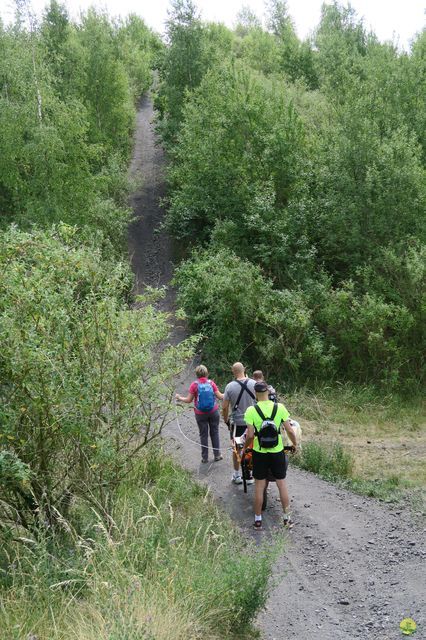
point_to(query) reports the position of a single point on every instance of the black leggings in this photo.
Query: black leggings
(209, 422)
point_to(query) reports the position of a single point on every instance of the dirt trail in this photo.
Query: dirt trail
(149, 248)
(353, 567)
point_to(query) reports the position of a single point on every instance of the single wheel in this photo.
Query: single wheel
(265, 499)
(244, 476)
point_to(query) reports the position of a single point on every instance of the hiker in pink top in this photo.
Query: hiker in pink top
(204, 393)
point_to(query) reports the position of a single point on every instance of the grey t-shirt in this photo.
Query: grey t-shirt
(232, 391)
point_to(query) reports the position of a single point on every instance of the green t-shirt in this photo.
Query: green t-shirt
(253, 418)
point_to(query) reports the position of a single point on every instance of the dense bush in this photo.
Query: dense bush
(318, 332)
(168, 565)
(308, 162)
(243, 317)
(85, 382)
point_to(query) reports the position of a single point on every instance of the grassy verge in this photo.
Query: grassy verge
(375, 446)
(165, 564)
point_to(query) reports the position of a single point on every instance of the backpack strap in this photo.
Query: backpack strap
(244, 387)
(262, 415)
(207, 382)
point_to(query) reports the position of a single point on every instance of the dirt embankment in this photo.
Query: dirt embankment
(353, 567)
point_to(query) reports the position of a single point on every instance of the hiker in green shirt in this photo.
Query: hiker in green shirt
(264, 421)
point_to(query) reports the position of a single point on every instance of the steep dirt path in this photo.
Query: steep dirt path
(150, 250)
(353, 568)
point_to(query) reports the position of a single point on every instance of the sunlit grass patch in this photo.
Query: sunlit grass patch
(383, 436)
(328, 461)
(164, 564)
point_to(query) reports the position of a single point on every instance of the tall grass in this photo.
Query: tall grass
(347, 403)
(165, 564)
(328, 461)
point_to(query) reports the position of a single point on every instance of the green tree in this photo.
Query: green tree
(137, 47)
(63, 52)
(193, 48)
(246, 22)
(341, 42)
(44, 164)
(296, 58)
(240, 139)
(182, 67)
(106, 93)
(260, 50)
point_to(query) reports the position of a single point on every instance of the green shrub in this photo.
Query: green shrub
(86, 382)
(378, 326)
(168, 564)
(306, 334)
(271, 329)
(328, 461)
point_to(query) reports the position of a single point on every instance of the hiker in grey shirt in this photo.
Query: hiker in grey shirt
(259, 377)
(239, 395)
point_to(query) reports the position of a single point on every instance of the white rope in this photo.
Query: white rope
(197, 444)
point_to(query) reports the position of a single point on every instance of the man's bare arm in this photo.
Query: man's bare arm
(249, 437)
(225, 410)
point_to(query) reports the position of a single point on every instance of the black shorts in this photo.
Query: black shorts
(239, 430)
(267, 466)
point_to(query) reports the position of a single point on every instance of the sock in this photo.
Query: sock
(257, 518)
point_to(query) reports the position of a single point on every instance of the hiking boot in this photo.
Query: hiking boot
(218, 458)
(204, 460)
(237, 479)
(257, 524)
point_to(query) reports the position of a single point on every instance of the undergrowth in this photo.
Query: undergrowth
(331, 462)
(334, 463)
(364, 440)
(165, 563)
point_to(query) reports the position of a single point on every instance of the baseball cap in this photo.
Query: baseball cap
(261, 386)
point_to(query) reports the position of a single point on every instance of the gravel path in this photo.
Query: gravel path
(353, 567)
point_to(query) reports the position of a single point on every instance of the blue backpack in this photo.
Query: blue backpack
(206, 400)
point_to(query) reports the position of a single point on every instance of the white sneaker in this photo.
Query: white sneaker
(237, 479)
(250, 481)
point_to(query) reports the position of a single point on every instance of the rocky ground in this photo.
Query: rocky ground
(352, 567)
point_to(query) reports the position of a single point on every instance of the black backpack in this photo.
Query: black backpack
(268, 432)
(272, 395)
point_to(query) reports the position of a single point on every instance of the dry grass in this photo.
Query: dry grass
(166, 565)
(115, 610)
(386, 437)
